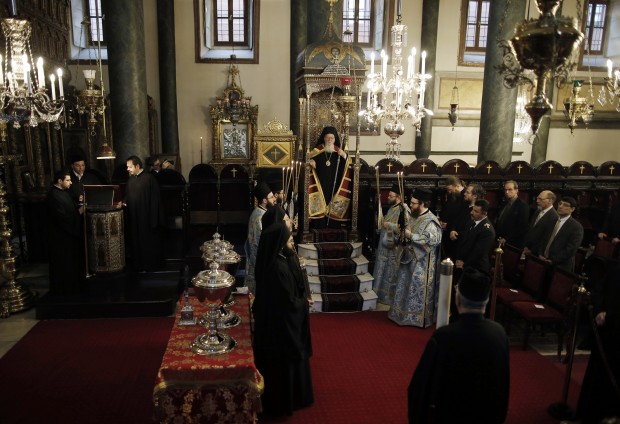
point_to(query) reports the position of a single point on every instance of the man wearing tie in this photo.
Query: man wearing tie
(566, 237)
(541, 224)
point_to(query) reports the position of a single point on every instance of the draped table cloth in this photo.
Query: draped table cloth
(192, 388)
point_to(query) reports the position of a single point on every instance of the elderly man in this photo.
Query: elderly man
(414, 300)
(264, 200)
(386, 264)
(541, 224)
(464, 373)
(512, 220)
(565, 237)
(330, 183)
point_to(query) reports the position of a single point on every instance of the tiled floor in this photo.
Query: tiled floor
(13, 328)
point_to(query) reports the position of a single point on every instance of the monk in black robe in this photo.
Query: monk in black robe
(144, 217)
(64, 236)
(282, 343)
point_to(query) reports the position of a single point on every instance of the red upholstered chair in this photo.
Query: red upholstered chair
(532, 283)
(512, 265)
(604, 248)
(554, 311)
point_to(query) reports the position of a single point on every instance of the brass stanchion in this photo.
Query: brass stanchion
(498, 273)
(560, 410)
(14, 297)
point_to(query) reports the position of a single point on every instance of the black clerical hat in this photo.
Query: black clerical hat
(261, 191)
(474, 285)
(395, 189)
(422, 194)
(328, 130)
(77, 157)
(276, 185)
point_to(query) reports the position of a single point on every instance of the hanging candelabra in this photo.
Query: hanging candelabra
(453, 115)
(610, 91)
(544, 46)
(577, 107)
(23, 95)
(398, 97)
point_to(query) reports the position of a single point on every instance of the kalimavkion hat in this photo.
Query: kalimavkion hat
(422, 194)
(395, 189)
(261, 191)
(474, 285)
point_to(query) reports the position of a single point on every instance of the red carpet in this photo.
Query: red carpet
(103, 371)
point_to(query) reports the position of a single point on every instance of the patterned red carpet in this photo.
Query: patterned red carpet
(103, 371)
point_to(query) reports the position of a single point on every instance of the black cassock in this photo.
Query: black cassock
(64, 239)
(282, 342)
(145, 218)
(327, 174)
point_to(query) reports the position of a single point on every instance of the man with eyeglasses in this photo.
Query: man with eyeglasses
(386, 265)
(541, 224)
(565, 238)
(264, 200)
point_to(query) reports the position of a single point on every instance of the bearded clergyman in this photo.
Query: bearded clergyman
(418, 276)
(330, 182)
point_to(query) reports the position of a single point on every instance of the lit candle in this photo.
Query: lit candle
(610, 66)
(53, 83)
(40, 73)
(61, 89)
(372, 63)
(384, 63)
(423, 71)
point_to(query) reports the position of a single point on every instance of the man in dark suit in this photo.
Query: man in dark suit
(464, 373)
(512, 219)
(455, 203)
(476, 243)
(542, 224)
(565, 238)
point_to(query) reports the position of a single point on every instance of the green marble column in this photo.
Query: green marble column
(167, 77)
(318, 16)
(498, 102)
(124, 26)
(430, 20)
(299, 41)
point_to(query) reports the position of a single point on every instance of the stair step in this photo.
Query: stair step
(369, 302)
(365, 283)
(309, 251)
(312, 266)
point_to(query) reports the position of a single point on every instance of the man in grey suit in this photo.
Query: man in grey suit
(541, 225)
(565, 238)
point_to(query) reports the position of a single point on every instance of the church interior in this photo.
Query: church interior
(232, 94)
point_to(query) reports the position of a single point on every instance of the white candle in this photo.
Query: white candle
(610, 66)
(61, 88)
(53, 81)
(409, 67)
(445, 291)
(423, 71)
(10, 77)
(27, 80)
(384, 63)
(40, 73)
(372, 63)
(1, 72)
(413, 53)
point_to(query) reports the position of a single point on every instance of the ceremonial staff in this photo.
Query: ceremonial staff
(497, 277)
(379, 209)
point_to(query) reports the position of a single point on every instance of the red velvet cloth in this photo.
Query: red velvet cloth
(207, 389)
(334, 250)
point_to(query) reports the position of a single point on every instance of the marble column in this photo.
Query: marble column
(430, 21)
(124, 26)
(497, 117)
(299, 41)
(167, 77)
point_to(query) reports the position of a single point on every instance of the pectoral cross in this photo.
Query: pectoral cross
(275, 155)
(456, 168)
(234, 172)
(519, 167)
(611, 169)
(550, 168)
(489, 167)
(581, 168)
(389, 166)
(424, 168)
